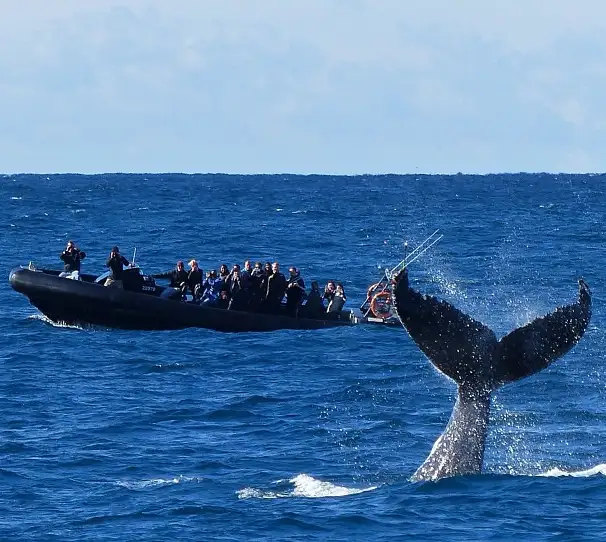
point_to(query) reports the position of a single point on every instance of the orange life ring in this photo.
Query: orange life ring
(381, 305)
(371, 289)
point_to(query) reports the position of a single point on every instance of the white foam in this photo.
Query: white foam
(137, 485)
(305, 486)
(556, 472)
(47, 320)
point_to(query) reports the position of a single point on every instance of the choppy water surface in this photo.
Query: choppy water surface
(197, 435)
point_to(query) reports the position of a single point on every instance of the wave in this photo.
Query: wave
(594, 471)
(301, 485)
(166, 367)
(138, 485)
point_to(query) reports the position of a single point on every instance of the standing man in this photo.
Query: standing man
(295, 292)
(276, 286)
(116, 263)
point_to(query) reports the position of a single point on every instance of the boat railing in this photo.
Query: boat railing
(378, 295)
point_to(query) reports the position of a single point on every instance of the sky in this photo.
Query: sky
(293, 86)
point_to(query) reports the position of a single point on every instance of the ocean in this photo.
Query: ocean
(299, 435)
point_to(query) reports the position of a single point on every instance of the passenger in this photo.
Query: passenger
(245, 276)
(255, 293)
(276, 286)
(71, 257)
(266, 274)
(338, 300)
(235, 289)
(211, 289)
(256, 275)
(223, 301)
(223, 271)
(194, 281)
(329, 291)
(177, 276)
(315, 303)
(116, 263)
(295, 292)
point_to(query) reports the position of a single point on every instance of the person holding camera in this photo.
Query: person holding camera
(71, 257)
(116, 263)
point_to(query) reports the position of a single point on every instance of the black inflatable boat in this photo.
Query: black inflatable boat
(145, 305)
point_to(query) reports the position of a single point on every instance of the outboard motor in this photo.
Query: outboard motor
(135, 281)
(149, 284)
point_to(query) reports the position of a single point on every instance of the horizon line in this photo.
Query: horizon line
(367, 174)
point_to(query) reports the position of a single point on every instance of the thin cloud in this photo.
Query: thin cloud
(324, 86)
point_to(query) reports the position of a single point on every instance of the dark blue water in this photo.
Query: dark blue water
(197, 435)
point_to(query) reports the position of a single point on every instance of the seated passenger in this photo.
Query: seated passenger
(194, 280)
(295, 292)
(314, 304)
(71, 257)
(223, 301)
(116, 263)
(177, 276)
(338, 300)
(211, 289)
(329, 291)
(223, 271)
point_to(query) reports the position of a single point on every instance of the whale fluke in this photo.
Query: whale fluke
(469, 353)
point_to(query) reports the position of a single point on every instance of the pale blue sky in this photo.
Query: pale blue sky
(314, 86)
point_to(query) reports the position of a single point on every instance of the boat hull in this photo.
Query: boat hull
(85, 303)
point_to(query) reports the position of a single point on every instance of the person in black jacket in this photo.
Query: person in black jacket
(314, 305)
(338, 299)
(276, 286)
(329, 291)
(177, 277)
(116, 263)
(71, 257)
(234, 286)
(256, 292)
(195, 279)
(295, 292)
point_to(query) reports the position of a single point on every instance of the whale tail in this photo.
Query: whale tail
(469, 353)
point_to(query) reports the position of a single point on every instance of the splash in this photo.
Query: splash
(302, 485)
(594, 471)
